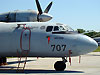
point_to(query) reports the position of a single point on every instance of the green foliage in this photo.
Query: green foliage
(97, 35)
(91, 34)
(97, 50)
(80, 30)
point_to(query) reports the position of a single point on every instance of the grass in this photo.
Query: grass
(97, 50)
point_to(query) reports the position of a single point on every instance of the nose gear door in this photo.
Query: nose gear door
(25, 39)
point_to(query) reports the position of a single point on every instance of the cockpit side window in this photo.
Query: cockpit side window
(56, 28)
(49, 28)
(62, 28)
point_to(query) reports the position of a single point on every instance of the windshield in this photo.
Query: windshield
(59, 28)
(68, 28)
(62, 28)
(56, 28)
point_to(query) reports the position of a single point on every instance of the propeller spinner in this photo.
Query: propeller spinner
(43, 16)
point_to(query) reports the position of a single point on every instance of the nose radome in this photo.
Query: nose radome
(93, 44)
(87, 44)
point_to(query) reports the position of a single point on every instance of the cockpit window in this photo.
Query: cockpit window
(49, 28)
(56, 28)
(62, 28)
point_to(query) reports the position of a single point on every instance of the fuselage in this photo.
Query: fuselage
(42, 40)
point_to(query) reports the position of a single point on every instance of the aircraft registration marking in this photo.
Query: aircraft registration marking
(58, 47)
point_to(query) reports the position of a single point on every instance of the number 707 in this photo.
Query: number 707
(58, 47)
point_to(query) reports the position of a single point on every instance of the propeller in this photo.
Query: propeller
(43, 16)
(38, 7)
(48, 8)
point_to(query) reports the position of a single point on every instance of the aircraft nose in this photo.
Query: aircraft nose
(86, 44)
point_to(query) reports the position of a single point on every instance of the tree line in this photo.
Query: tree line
(90, 33)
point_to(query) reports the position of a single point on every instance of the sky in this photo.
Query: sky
(78, 14)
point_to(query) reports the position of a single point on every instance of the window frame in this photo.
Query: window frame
(47, 28)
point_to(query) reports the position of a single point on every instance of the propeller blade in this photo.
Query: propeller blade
(38, 7)
(48, 8)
